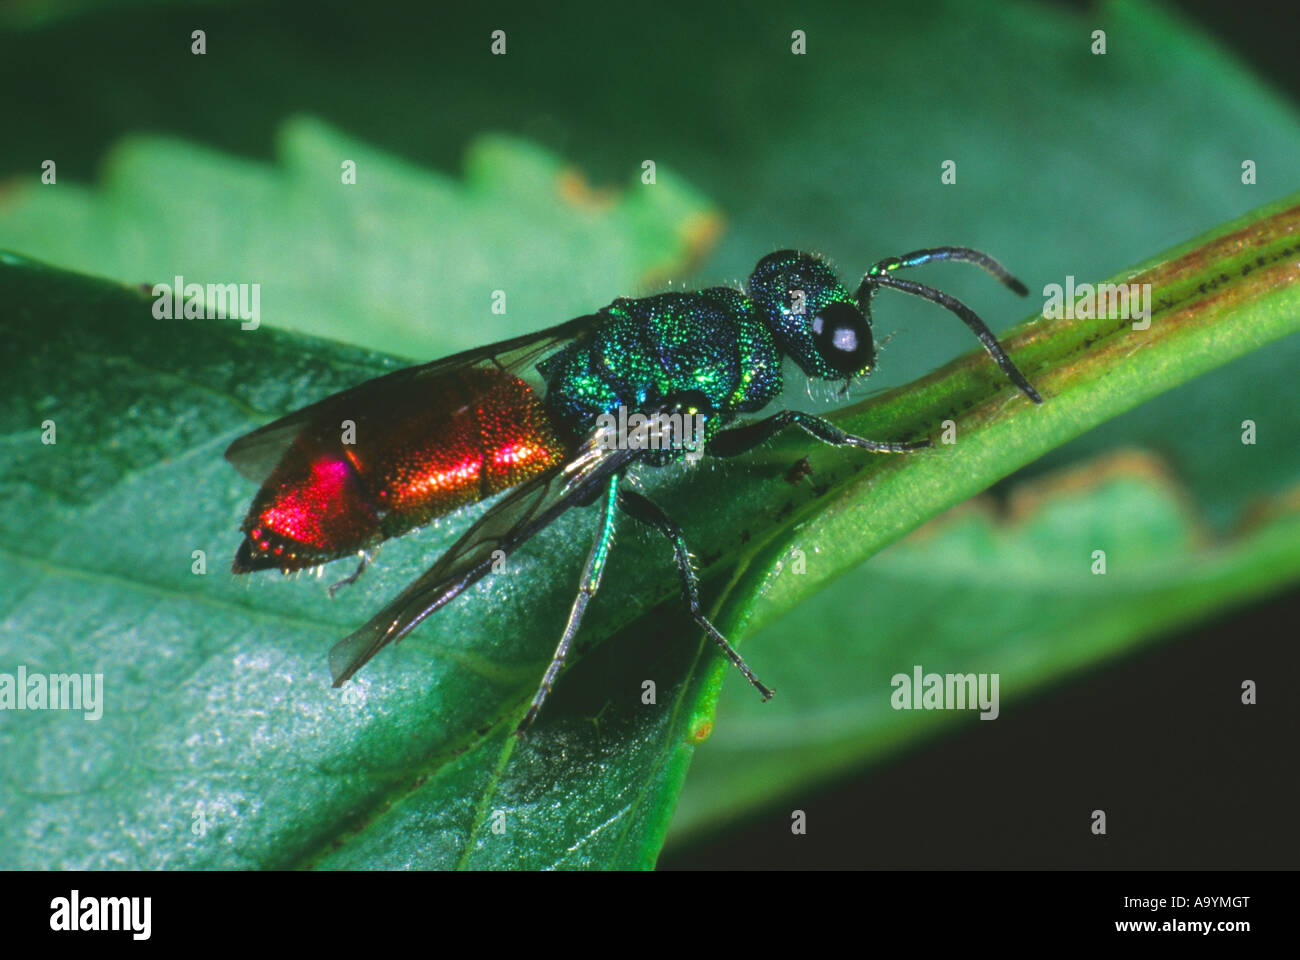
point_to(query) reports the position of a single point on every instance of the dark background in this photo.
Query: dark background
(1138, 737)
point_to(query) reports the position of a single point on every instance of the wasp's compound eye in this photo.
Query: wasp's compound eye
(842, 337)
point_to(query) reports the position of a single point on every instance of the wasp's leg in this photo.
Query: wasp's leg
(587, 588)
(649, 513)
(349, 580)
(738, 440)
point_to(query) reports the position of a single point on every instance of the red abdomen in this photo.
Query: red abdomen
(418, 449)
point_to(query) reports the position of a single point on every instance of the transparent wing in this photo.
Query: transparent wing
(256, 454)
(510, 522)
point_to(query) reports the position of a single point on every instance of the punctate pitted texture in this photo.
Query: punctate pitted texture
(422, 450)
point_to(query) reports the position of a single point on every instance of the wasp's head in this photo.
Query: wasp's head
(815, 320)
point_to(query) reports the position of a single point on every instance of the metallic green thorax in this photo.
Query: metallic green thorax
(715, 351)
(644, 354)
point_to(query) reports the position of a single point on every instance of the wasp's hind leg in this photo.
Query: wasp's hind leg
(587, 588)
(649, 513)
(347, 581)
(738, 440)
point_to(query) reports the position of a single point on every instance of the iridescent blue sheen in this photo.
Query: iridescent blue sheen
(720, 343)
(792, 289)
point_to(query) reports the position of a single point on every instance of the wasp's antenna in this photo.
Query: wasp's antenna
(881, 275)
(919, 258)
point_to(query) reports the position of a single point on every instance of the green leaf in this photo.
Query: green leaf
(1217, 297)
(404, 260)
(1068, 164)
(1031, 608)
(218, 709)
